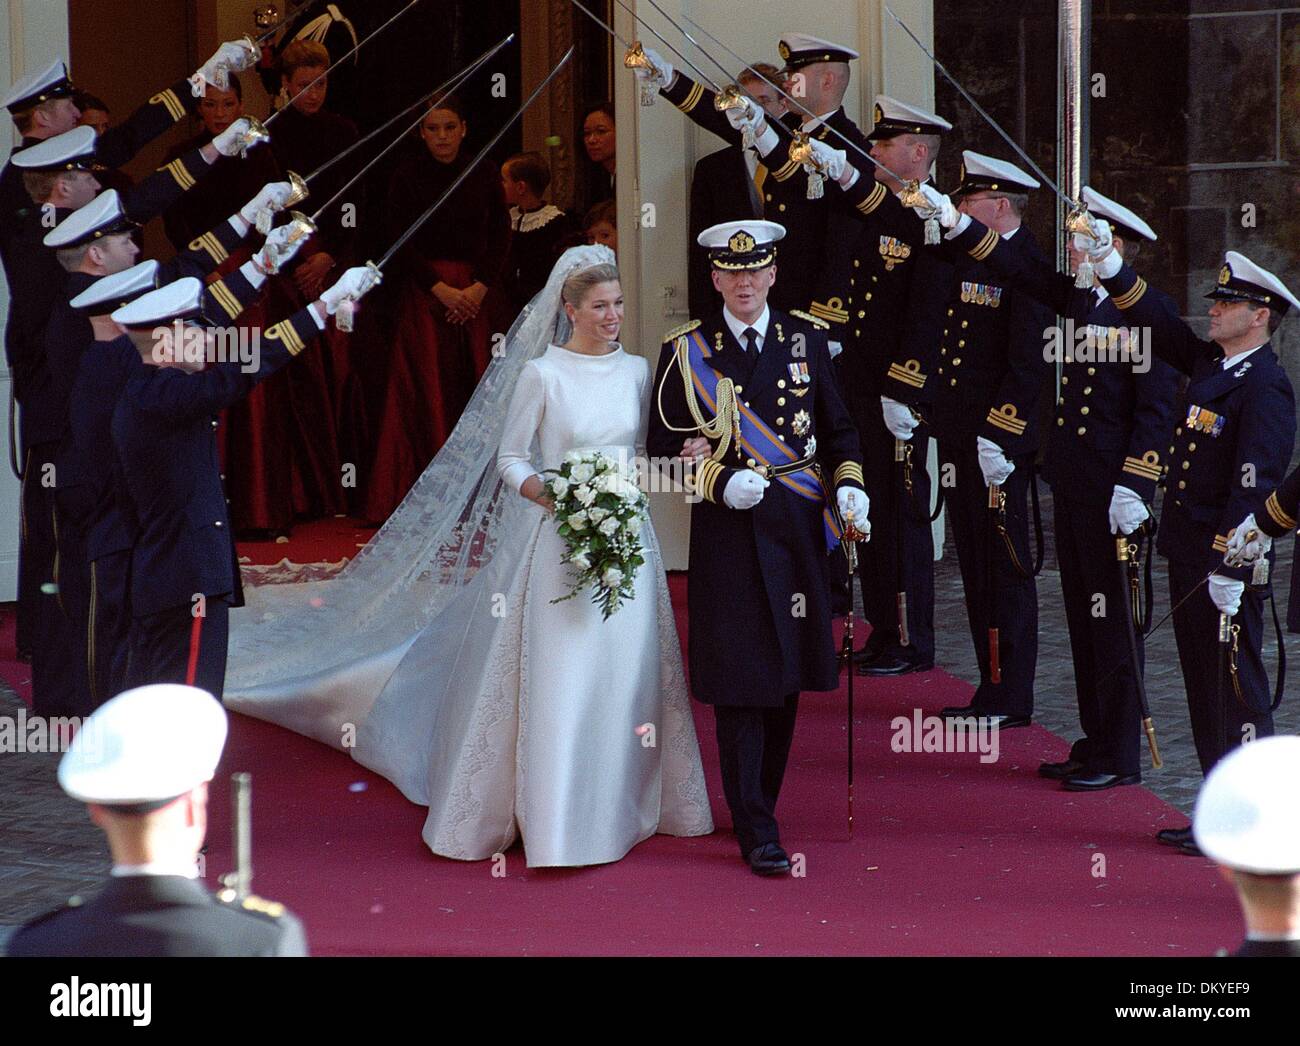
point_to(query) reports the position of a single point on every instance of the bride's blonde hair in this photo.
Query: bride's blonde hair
(576, 286)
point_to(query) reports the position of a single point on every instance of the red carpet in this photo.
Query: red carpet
(949, 856)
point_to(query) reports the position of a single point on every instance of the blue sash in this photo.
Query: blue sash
(757, 440)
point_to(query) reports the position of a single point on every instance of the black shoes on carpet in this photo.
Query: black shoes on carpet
(768, 859)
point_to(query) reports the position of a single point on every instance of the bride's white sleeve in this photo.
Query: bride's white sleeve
(646, 382)
(524, 417)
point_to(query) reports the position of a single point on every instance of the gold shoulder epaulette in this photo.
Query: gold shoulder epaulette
(677, 332)
(252, 903)
(808, 317)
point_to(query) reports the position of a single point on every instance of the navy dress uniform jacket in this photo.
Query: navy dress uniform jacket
(161, 915)
(759, 583)
(168, 476)
(1234, 443)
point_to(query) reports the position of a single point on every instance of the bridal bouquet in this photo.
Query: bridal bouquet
(599, 509)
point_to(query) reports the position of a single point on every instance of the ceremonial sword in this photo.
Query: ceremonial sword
(636, 48)
(1126, 555)
(1076, 221)
(346, 307)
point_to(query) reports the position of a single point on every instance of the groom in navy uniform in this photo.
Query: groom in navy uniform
(758, 385)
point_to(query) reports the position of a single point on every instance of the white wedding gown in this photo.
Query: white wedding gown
(506, 713)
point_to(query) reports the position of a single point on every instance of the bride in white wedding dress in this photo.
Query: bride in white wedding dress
(461, 682)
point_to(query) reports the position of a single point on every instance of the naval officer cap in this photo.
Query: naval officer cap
(70, 151)
(103, 216)
(1241, 279)
(180, 300)
(1123, 222)
(893, 118)
(741, 245)
(980, 173)
(145, 748)
(1247, 816)
(800, 49)
(109, 293)
(42, 86)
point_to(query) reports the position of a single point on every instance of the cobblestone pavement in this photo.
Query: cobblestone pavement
(50, 850)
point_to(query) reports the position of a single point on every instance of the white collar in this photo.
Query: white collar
(1010, 233)
(812, 123)
(527, 221)
(738, 329)
(1273, 936)
(1236, 360)
(1101, 292)
(185, 869)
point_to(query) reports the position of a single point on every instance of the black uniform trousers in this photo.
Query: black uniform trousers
(895, 516)
(109, 626)
(177, 646)
(1094, 592)
(59, 665)
(35, 545)
(753, 746)
(1220, 720)
(1014, 599)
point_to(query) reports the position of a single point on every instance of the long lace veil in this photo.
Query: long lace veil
(445, 531)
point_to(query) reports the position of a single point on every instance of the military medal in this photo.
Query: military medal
(799, 373)
(801, 423)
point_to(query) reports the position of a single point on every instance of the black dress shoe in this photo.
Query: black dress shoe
(1174, 836)
(1060, 771)
(868, 654)
(999, 719)
(1093, 781)
(895, 663)
(768, 859)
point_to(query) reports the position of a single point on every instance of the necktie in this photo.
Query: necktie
(751, 339)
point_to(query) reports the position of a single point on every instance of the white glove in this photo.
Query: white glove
(852, 500)
(831, 161)
(233, 56)
(271, 200)
(231, 141)
(939, 206)
(662, 73)
(993, 462)
(280, 247)
(1241, 552)
(352, 285)
(1099, 244)
(834, 348)
(899, 418)
(1127, 510)
(1226, 593)
(744, 490)
(745, 116)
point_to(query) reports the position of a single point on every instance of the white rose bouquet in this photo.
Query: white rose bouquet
(599, 511)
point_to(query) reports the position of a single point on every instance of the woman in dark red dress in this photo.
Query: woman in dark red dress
(448, 306)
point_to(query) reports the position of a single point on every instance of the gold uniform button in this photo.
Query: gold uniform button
(956, 361)
(943, 352)
(1186, 465)
(1065, 380)
(1178, 431)
(1191, 446)
(781, 438)
(857, 333)
(780, 383)
(950, 312)
(945, 332)
(1060, 402)
(1171, 450)
(1083, 410)
(953, 381)
(781, 207)
(740, 389)
(1092, 371)
(856, 262)
(861, 314)
(769, 200)
(867, 296)
(1182, 484)
(1087, 390)
(1082, 430)
(961, 343)
(853, 282)
(1060, 421)
(965, 324)
(780, 421)
(750, 463)
(875, 279)
(780, 401)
